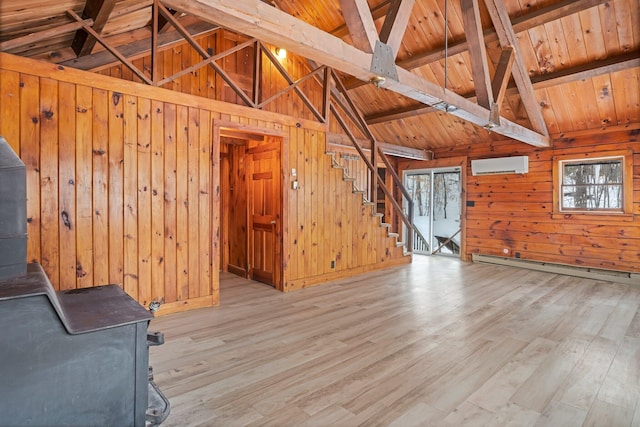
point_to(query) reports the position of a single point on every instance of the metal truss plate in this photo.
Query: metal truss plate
(383, 63)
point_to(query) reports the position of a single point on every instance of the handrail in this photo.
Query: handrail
(372, 164)
(407, 220)
(394, 175)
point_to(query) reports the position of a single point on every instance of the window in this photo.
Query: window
(592, 185)
(599, 185)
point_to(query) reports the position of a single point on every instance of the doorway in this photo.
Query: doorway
(251, 205)
(437, 198)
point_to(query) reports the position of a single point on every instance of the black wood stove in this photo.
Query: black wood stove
(67, 358)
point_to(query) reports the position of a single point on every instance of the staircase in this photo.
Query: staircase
(357, 188)
(340, 107)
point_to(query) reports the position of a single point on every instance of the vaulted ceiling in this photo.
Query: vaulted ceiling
(542, 68)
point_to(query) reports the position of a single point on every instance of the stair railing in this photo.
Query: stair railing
(420, 243)
(371, 161)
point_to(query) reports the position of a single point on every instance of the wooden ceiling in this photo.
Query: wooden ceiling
(580, 59)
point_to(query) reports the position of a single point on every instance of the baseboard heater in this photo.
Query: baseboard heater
(625, 277)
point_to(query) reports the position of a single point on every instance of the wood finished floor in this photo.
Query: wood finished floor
(437, 342)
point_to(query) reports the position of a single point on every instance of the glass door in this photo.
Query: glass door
(436, 195)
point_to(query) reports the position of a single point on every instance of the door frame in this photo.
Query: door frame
(222, 127)
(432, 172)
(410, 166)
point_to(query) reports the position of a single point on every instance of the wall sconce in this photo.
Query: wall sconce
(281, 53)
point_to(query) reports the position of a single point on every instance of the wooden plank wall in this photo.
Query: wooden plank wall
(328, 222)
(514, 212)
(238, 66)
(123, 187)
(119, 187)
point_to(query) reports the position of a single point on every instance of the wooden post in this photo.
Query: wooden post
(154, 45)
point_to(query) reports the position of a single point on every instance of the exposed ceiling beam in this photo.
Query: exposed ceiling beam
(477, 51)
(630, 129)
(342, 141)
(104, 59)
(503, 74)
(163, 23)
(254, 18)
(99, 11)
(130, 6)
(42, 35)
(395, 24)
(140, 74)
(500, 81)
(520, 24)
(568, 75)
(588, 70)
(376, 12)
(402, 113)
(507, 37)
(359, 20)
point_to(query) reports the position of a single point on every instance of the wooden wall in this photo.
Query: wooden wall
(123, 183)
(119, 184)
(514, 212)
(206, 82)
(327, 221)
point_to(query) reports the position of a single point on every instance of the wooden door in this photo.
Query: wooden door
(265, 204)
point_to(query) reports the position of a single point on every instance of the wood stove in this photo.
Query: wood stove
(72, 358)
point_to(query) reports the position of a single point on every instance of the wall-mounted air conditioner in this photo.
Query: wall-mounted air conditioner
(517, 164)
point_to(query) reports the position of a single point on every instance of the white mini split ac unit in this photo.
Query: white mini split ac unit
(502, 165)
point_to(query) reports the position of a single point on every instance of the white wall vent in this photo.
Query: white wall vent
(516, 164)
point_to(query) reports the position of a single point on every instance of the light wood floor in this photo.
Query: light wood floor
(438, 342)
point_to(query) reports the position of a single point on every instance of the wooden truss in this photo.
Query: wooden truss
(336, 103)
(256, 19)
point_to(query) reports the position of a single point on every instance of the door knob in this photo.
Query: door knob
(273, 222)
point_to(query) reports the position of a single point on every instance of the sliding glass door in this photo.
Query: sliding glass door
(436, 195)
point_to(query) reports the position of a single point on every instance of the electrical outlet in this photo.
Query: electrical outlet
(333, 264)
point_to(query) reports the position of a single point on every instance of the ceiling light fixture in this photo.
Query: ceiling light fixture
(281, 53)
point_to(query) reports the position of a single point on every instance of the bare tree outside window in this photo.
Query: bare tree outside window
(419, 188)
(446, 190)
(593, 185)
